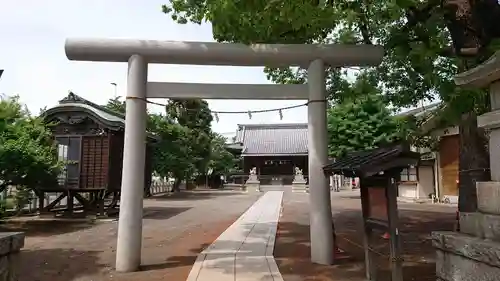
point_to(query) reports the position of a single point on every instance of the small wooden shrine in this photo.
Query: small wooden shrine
(89, 141)
(378, 170)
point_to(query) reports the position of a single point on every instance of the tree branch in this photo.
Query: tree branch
(464, 52)
(363, 24)
(415, 16)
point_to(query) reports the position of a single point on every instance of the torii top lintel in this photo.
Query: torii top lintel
(229, 54)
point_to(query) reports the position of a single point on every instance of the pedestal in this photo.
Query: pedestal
(10, 245)
(252, 184)
(299, 184)
(474, 252)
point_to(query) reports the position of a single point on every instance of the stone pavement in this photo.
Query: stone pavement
(245, 250)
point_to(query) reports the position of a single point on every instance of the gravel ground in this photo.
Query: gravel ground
(175, 229)
(292, 250)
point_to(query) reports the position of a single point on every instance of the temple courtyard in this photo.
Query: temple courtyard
(176, 228)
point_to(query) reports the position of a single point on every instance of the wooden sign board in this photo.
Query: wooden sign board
(377, 203)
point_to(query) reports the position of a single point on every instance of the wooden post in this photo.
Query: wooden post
(396, 261)
(370, 267)
(69, 202)
(100, 203)
(42, 209)
(41, 201)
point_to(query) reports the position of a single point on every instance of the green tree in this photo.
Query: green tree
(195, 116)
(28, 157)
(221, 160)
(363, 123)
(172, 154)
(426, 43)
(116, 105)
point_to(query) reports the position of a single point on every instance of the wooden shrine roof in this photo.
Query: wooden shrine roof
(370, 162)
(77, 104)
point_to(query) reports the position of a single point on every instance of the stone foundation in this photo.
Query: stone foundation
(460, 257)
(473, 254)
(299, 187)
(252, 186)
(299, 183)
(10, 245)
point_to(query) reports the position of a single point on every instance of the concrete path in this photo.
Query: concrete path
(244, 252)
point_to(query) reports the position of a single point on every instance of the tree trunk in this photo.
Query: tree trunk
(177, 184)
(473, 162)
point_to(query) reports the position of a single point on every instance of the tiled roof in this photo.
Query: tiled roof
(369, 162)
(273, 139)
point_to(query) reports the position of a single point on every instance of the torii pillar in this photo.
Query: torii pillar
(138, 53)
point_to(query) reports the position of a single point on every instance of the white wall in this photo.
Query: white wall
(420, 189)
(426, 181)
(408, 190)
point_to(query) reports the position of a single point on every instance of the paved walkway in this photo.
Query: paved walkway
(244, 252)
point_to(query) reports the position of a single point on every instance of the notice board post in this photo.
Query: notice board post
(378, 171)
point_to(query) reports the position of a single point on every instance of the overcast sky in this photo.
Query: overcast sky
(32, 34)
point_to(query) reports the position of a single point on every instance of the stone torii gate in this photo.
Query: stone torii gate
(139, 53)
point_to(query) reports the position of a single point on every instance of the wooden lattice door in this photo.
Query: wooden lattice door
(95, 159)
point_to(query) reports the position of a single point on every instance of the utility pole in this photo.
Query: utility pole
(115, 87)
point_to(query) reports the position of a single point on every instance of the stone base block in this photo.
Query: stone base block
(484, 226)
(461, 257)
(11, 242)
(346, 187)
(450, 267)
(10, 245)
(252, 186)
(299, 187)
(488, 197)
(489, 120)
